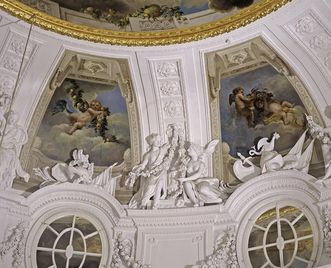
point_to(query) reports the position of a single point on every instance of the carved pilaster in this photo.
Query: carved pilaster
(169, 85)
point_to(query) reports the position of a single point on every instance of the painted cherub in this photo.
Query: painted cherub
(244, 104)
(82, 113)
(80, 120)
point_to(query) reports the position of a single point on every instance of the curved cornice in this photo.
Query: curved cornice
(175, 36)
(272, 184)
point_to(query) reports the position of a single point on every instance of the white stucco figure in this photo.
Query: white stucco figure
(80, 171)
(297, 158)
(14, 136)
(4, 106)
(199, 188)
(153, 170)
(153, 174)
(324, 136)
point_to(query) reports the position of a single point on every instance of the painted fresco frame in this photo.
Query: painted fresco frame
(173, 36)
(72, 66)
(243, 58)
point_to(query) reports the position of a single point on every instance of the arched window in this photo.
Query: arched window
(282, 237)
(69, 242)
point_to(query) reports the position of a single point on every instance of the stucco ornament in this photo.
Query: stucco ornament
(327, 230)
(153, 170)
(5, 100)
(123, 254)
(13, 137)
(324, 136)
(79, 171)
(197, 186)
(173, 175)
(270, 160)
(15, 242)
(225, 253)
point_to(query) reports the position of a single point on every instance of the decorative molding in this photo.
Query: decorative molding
(112, 71)
(123, 254)
(326, 220)
(173, 108)
(308, 30)
(40, 5)
(171, 87)
(169, 90)
(156, 25)
(167, 69)
(11, 58)
(76, 194)
(196, 32)
(7, 83)
(11, 63)
(225, 254)
(277, 183)
(15, 241)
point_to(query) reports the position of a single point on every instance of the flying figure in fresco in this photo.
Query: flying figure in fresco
(89, 114)
(260, 106)
(244, 104)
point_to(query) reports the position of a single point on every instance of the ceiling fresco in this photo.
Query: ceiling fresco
(143, 15)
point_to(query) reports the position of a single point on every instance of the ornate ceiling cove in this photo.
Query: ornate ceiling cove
(141, 24)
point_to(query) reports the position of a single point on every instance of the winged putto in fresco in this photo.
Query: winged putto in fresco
(261, 107)
(82, 113)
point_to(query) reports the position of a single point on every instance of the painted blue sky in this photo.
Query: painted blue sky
(55, 141)
(234, 127)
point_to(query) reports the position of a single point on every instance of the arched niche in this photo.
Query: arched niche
(247, 61)
(93, 72)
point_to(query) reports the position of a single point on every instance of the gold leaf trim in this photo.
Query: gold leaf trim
(174, 36)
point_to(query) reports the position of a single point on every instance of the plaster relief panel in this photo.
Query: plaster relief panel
(314, 36)
(11, 59)
(169, 84)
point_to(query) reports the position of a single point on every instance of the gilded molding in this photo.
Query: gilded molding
(174, 36)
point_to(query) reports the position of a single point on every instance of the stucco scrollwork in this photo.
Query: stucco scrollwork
(15, 241)
(167, 69)
(326, 230)
(11, 63)
(225, 253)
(305, 25)
(63, 71)
(94, 67)
(123, 254)
(312, 33)
(38, 4)
(17, 45)
(238, 57)
(173, 108)
(170, 88)
(148, 25)
(319, 42)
